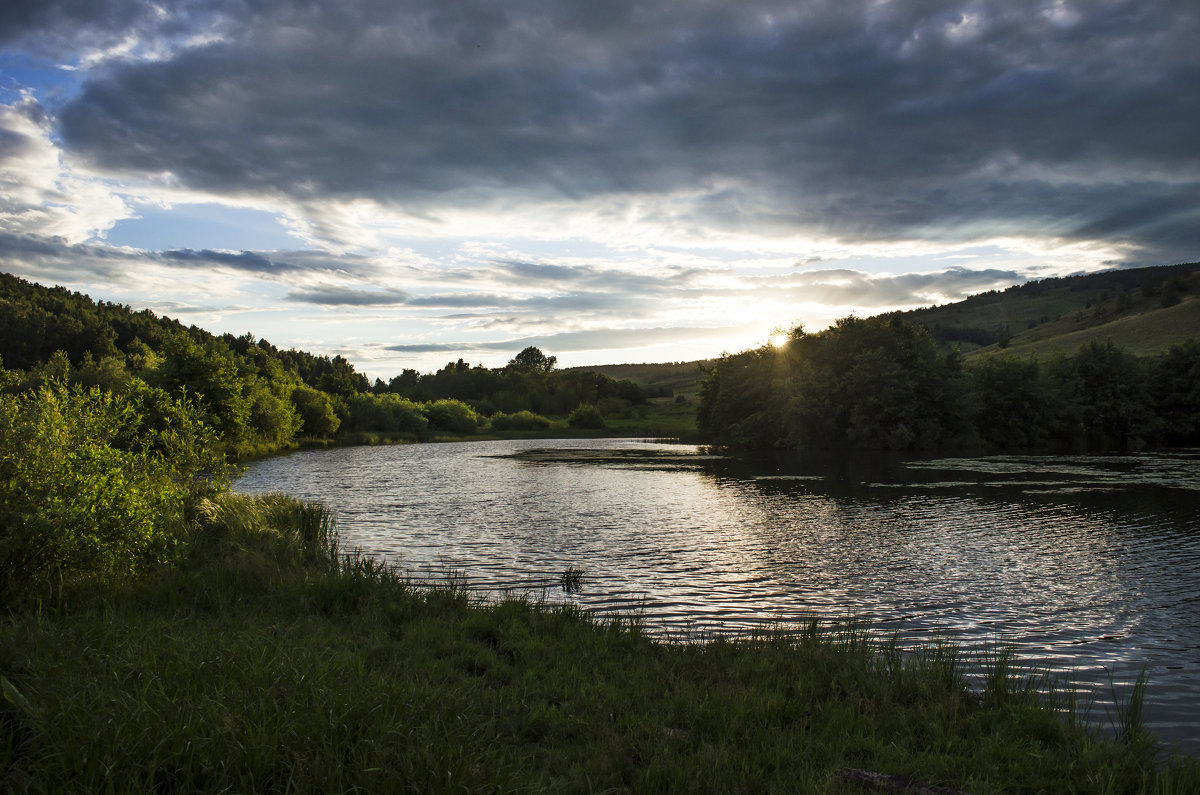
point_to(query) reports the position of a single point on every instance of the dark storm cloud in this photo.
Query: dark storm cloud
(69, 20)
(856, 119)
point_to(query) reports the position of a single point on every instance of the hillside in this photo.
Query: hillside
(668, 379)
(1142, 310)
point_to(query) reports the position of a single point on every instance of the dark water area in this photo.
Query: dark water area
(1089, 565)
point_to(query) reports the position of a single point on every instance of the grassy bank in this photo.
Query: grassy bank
(264, 661)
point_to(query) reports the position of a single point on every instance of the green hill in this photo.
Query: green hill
(668, 379)
(1142, 310)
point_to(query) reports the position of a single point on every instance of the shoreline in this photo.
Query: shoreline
(270, 660)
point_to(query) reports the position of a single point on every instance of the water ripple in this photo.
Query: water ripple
(1084, 563)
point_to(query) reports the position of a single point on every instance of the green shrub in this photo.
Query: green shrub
(386, 413)
(452, 415)
(316, 412)
(586, 416)
(520, 421)
(96, 485)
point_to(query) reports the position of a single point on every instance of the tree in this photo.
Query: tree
(586, 415)
(453, 416)
(210, 372)
(1108, 397)
(316, 412)
(534, 360)
(1014, 405)
(875, 383)
(1176, 391)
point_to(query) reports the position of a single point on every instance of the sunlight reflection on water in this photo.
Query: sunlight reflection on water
(1088, 564)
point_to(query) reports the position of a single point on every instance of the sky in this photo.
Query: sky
(410, 182)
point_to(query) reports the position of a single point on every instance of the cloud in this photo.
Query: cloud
(343, 296)
(843, 287)
(859, 120)
(40, 193)
(573, 341)
(623, 172)
(57, 260)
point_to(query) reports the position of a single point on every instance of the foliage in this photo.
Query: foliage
(1107, 397)
(386, 413)
(533, 359)
(1014, 403)
(453, 416)
(258, 397)
(1175, 387)
(97, 485)
(882, 384)
(315, 411)
(586, 415)
(876, 383)
(246, 387)
(528, 383)
(519, 421)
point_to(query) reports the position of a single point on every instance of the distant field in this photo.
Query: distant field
(1143, 310)
(677, 378)
(1142, 334)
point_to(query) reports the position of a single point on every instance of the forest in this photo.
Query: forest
(882, 383)
(118, 428)
(258, 398)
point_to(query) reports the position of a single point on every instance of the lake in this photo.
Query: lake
(1088, 564)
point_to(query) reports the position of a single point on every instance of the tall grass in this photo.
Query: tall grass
(270, 661)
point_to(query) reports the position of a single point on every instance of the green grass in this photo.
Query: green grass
(682, 378)
(270, 662)
(662, 418)
(1060, 315)
(1148, 333)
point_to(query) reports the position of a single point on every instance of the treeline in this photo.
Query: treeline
(259, 398)
(529, 382)
(882, 384)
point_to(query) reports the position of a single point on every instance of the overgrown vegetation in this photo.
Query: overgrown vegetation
(881, 383)
(98, 485)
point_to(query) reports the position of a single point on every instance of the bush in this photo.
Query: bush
(316, 412)
(95, 485)
(586, 416)
(452, 415)
(387, 413)
(520, 421)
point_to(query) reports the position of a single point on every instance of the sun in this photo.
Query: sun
(779, 339)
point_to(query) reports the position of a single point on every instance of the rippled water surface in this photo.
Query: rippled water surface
(1090, 564)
